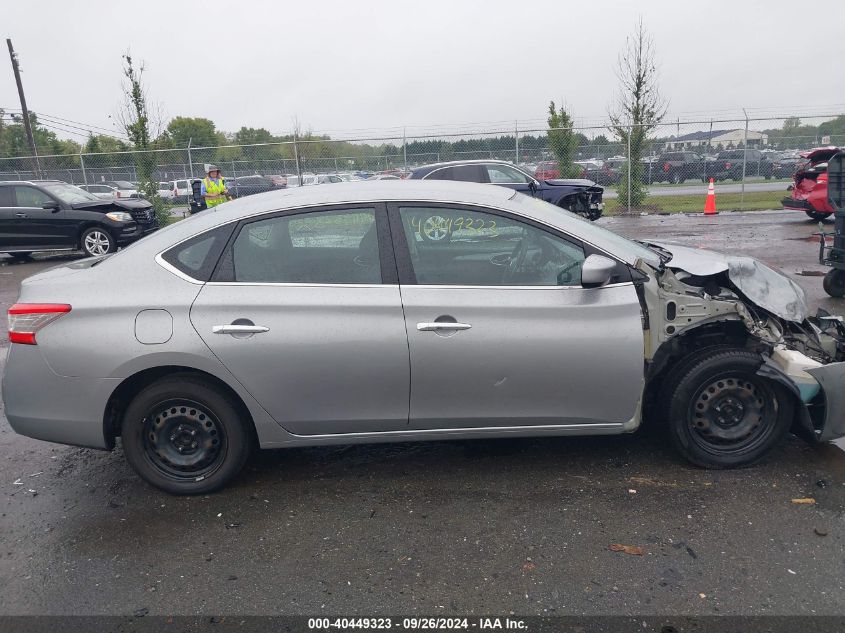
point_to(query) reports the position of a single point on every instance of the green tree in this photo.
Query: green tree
(136, 122)
(638, 109)
(200, 132)
(563, 142)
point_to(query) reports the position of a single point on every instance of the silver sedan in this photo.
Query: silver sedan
(396, 311)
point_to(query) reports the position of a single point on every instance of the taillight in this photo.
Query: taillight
(667, 167)
(26, 319)
(727, 165)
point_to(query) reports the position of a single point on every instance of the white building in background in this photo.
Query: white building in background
(716, 138)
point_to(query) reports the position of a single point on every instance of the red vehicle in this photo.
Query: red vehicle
(809, 193)
(547, 171)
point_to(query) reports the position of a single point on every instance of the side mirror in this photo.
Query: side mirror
(597, 271)
(52, 205)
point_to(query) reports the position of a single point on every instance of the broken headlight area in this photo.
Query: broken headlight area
(756, 308)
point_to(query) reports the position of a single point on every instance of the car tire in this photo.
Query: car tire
(720, 413)
(818, 216)
(21, 255)
(96, 241)
(185, 437)
(834, 283)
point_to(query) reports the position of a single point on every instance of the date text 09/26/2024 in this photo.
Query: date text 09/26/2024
(417, 623)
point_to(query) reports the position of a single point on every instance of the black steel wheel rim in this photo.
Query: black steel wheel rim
(183, 440)
(732, 413)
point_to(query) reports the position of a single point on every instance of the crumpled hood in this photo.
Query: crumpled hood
(766, 287)
(106, 205)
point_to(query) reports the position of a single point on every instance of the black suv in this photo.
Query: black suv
(51, 215)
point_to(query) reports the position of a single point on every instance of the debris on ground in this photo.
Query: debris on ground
(820, 531)
(636, 550)
(807, 501)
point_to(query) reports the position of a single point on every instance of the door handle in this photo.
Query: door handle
(20, 215)
(442, 325)
(239, 329)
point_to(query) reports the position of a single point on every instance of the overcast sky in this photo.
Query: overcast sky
(383, 64)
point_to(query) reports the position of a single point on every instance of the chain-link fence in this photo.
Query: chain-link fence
(679, 153)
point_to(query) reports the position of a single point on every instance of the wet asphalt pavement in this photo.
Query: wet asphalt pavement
(488, 527)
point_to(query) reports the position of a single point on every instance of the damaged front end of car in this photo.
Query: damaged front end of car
(700, 299)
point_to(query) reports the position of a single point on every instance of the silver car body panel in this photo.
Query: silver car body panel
(334, 358)
(84, 355)
(530, 357)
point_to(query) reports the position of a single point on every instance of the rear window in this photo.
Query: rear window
(197, 256)
(182, 184)
(732, 154)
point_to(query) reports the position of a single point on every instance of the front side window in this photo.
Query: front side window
(503, 174)
(318, 247)
(474, 248)
(31, 197)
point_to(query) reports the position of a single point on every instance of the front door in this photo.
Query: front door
(37, 227)
(305, 312)
(502, 334)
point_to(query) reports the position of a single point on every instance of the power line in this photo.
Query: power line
(75, 124)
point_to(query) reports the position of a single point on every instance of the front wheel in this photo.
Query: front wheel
(184, 437)
(721, 414)
(834, 283)
(817, 215)
(96, 242)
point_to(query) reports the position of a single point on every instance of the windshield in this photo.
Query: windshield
(70, 194)
(591, 232)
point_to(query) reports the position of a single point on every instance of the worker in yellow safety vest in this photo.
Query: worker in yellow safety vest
(213, 188)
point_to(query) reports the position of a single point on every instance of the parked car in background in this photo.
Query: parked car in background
(279, 181)
(124, 188)
(103, 192)
(345, 177)
(580, 196)
(600, 172)
(384, 177)
(181, 190)
(547, 170)
(809, 188)
(249, 185)
(165, 191)
(676, 167)
(785, 165)
(729, 164)
(229, 330)
(51, 215)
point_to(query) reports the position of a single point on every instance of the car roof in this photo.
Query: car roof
(32, 182)
(373, 192)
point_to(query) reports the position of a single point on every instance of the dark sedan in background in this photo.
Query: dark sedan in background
(249, 185)
(580, 196)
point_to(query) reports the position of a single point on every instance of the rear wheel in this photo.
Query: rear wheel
(834, 283)
(97, 241)
(184, 437)
(721, 414)
(817, 215)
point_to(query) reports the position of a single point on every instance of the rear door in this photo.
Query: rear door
(37, 227)
(305, 311)
(502, 334)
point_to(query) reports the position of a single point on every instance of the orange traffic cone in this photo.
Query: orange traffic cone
(710, 203)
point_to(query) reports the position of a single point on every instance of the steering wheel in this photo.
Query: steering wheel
(517, 258)
(565, 271)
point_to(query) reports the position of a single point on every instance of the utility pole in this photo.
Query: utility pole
(26, 124)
